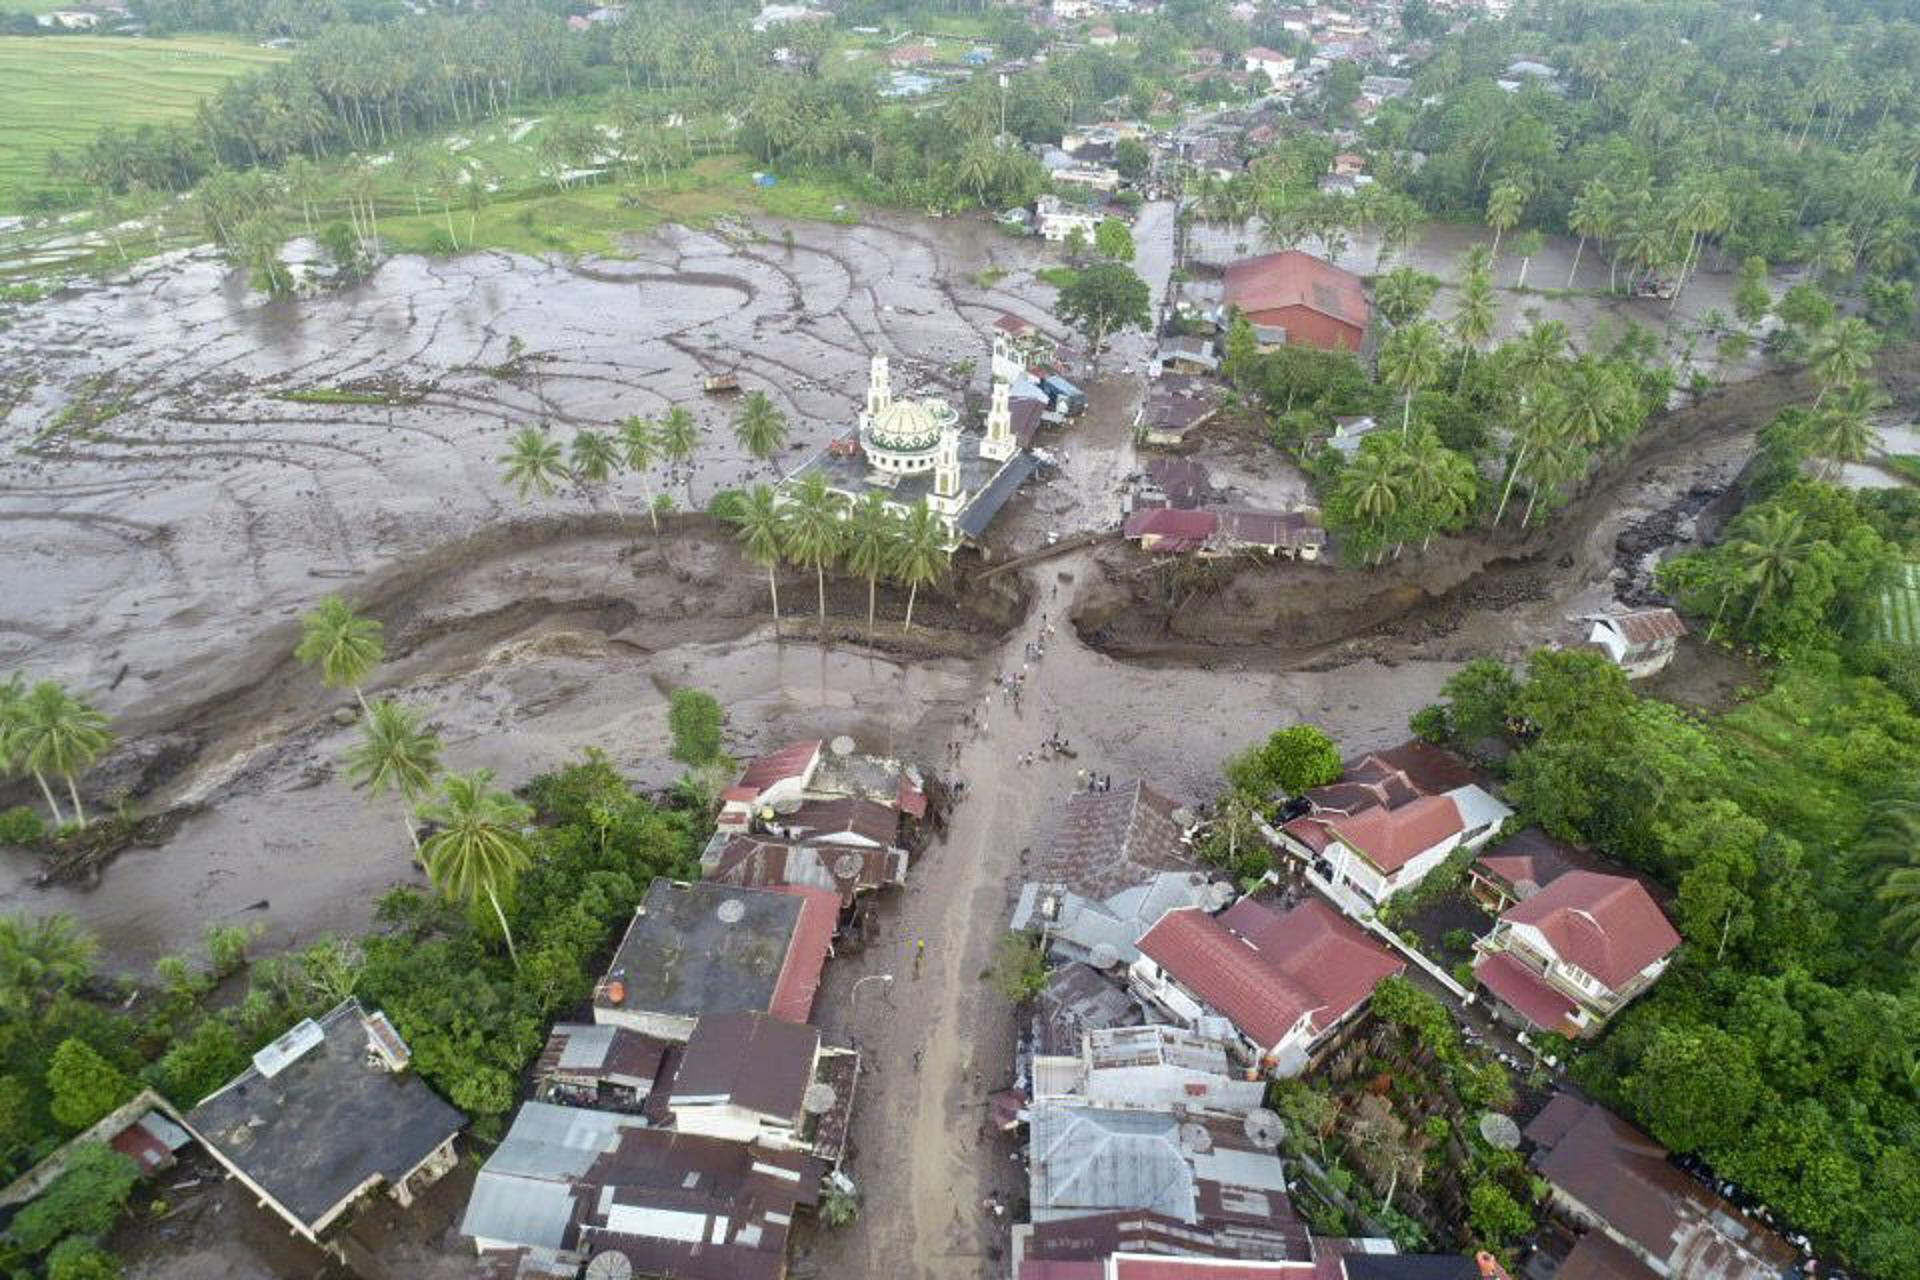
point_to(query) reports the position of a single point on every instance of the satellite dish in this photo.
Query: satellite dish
(610, 1265)
(732, 911)
(1265, 1128)
(1183, 817)
(1104, 955)
(1501, 1133)
(788, 806)
(841, 746)
(1220, 895)
(819, 1099)
(1194, 1139)
(848, 865)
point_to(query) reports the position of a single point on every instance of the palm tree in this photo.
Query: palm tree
(478, 851)
(1539, 353)
(639, 442)
(1770, 551)
(758, 526)
(1504, 204)
(596, 462)
(13, 697)
(1543, 419)
(1438, 480)
(1844, 430)
(41, 956)
(679, 439)
(1403, 294)
(1473, 321)
(1410, 359)
(1595, 400)
(1899, 892)
(396, 753)
(62, 735)
(345, 646)
(921, 555)
(812, 532)
(872, 532)
(1591, 215)
(761, 428)
(1841, 352)
(532, 463)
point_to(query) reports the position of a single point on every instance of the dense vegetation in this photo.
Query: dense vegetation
(73, 1046)
(1784, 1044)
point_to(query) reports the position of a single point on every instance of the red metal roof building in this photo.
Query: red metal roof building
(1572, 955)
(1317, 303)
(1284, 981)
(807, 953)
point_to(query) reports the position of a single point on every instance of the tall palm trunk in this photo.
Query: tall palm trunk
(1507, 492)
(873, 580)
(913, 590)
(505, 932)
(820, 576)
(74, 792)
(773, 589)
(1574, 270)
(47, 791)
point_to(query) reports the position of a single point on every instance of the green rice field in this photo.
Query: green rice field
(1900, 608)
(60, 90)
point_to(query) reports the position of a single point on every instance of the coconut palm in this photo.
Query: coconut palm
(872, 533)
(343, 644)
(1841, 352)
(1591, 216)
(1770, 551)
(761, 428)
(478, 851)
(1404, 294)
(532, 463)
(1899, 892)
(396, 753)
(1409, 360)
(1539, 353)
(596, 462)
(1473, 321)
(1438, 480)
(1504, 204)
(61, 735)
(41, 956)
(639, 444)
(812, 532)
(1595, 400)
(921, 555)
(679, 440)
(13, 696)
(1843, 428)
(757, 523)
(1543, 419)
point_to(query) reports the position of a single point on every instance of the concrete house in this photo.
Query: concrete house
(1106, 931)
(1273, 64)
(1149, 1068)
(1640, 643)
(1571, 956)
(1283, 982)
(326, 1114)
(1058, 219)
(749, 1077)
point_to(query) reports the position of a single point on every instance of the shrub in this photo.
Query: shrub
(84, 1085)
(82, 1201)
(78, 1258)
(1019, 966)
(22, 826)
(227, 948)
(1458, 939)
(694, 718)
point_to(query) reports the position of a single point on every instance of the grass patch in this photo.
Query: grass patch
(81, 416)
(1904, 465)
(990, 277)
(61, 90)
(1058, 277)
(342, 395)
(1900, 608)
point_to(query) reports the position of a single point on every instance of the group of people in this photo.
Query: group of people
(1096, 781)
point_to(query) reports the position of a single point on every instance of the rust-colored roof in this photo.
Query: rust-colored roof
(1529, 860)
(1015, 326)
(1270, 528)
(843, 816)
(1264, 971)
(1623, 1176)
(1110, 840)
(790, 761)
(1295, 279)
(1596, 1257)
(1648, 626)
(1608, 925)
(910, 799)
(1429, 768)
(799, 977)
(1526, 993)
(848, 870)
(1391, 838)
(749, 1060)
(1169, 523)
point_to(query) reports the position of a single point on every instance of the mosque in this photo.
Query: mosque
(914, 450)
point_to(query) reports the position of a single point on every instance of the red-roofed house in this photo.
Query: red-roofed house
(1380, 850)
(1274, 64)
(1313, 301)
(1283, 981)
(1571, 956)
(1165, 529)
(776, 778)
(799, 977)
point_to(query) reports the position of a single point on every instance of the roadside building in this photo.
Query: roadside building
(1077, 999)
(1641, 642)
(589, 1064)
(1184, 353)
(1094, 177)
(1284, 982)
(1155, 1068)
(1172, 408)
(1610, 1178)
(1107, 841)
(749, 1077)
(701, 948)
(1181, 483)
(329, 1113)
(1314, 302)
(1574, 954)
(1226, 532)
(1059, 219)
(1106, 931)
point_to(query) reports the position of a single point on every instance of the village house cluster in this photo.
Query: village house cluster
(1173, 999)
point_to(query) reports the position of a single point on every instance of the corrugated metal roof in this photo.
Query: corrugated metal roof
(980, 512)
(526, 1211)
(586, 1046)
(557, 1142)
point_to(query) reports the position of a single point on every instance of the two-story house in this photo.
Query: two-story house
(746, 1077)
(1281, 982)
(1571, 956)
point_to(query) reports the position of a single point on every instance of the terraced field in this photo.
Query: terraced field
(60, 90)
(1900, 609)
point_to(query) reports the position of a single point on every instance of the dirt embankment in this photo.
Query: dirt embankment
(1176, 611)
